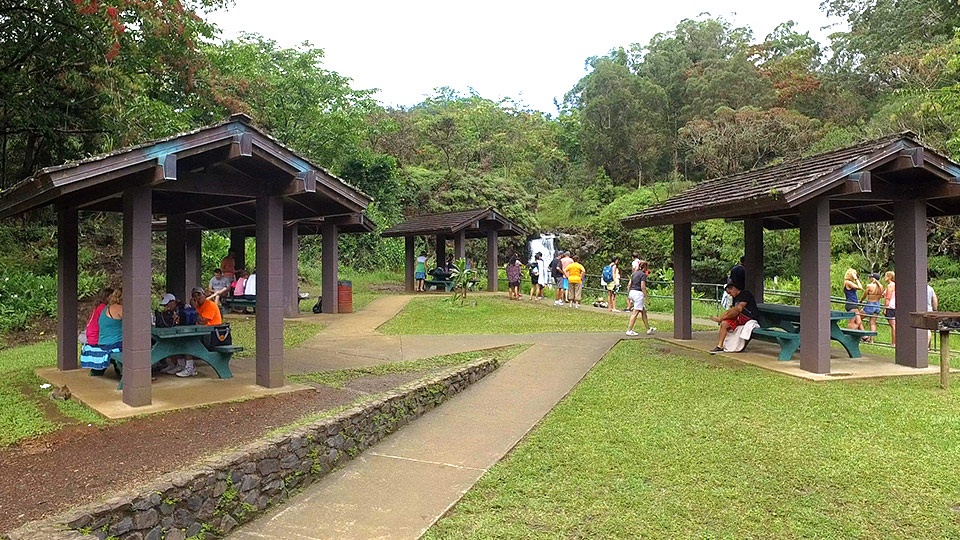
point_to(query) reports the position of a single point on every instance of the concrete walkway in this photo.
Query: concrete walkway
(400, 487)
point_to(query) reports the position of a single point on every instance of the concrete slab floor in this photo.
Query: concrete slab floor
(764, 355)
(169, 392)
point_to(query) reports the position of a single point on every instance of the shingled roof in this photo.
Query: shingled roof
(475, 223)
(213, 175)
(863, 183)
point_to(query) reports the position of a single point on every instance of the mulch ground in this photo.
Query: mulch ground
(79, 464)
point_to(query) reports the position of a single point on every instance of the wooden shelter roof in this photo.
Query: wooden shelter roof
(212, 175)
(475, 223)
(863, 183)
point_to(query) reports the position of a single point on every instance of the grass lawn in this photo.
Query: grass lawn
(435, 314)
(658, 442)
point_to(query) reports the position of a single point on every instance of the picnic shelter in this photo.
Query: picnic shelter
(894, 178)
(457, 226)
(226, 176)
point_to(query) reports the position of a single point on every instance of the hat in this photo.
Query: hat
(537, 255)
(875, 275)
(197, 290)
(167, 298)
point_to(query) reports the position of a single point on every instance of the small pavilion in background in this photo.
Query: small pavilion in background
(457, 226)
(227, 176)
(894, 178)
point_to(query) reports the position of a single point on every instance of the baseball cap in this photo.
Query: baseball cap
(196, 290)
(167, 298)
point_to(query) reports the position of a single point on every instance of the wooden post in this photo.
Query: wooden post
(945, 359)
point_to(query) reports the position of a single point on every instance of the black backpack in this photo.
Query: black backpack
(317, 307)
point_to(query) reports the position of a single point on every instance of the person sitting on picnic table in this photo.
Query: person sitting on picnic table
(90, 338)
(219, 286)
(208, 314)
(744, 308)
(110, 323)
(171, 314)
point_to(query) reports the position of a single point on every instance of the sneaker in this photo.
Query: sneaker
(716, 350)
(632, 333)
(558, 302)
(187, 372)
(651, 330)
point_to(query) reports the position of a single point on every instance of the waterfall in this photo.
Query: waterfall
(544, 245)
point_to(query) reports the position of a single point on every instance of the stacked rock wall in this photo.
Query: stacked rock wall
(225, 491)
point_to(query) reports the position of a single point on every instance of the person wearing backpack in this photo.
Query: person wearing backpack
(536, 266)
(610, 280)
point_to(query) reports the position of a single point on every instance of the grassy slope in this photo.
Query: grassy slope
(658, 445)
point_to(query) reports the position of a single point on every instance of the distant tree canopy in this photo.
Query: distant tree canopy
(701, 100)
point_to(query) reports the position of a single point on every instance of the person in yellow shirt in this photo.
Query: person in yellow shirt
(575, 272)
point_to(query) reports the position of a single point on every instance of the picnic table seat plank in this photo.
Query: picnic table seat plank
(789, 342)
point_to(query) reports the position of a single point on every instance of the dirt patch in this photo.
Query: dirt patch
(79, 463)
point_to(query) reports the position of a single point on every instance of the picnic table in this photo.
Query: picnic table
(184, 341)
(787, 320)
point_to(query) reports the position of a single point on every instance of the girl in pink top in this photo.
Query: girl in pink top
(92, 330)
(891, 297)
(240, 283)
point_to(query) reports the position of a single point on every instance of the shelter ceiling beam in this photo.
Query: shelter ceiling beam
(212, 184)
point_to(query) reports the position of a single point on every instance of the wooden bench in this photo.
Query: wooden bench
(184, 341)
(437, 283)
(788, 341)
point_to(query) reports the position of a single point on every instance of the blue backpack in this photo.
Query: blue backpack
(608, 273)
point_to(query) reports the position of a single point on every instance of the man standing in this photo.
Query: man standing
(556, 271)
(574, 272)
(637, 296)
(743, 309)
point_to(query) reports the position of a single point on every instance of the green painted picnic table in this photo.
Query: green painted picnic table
(787, 318)
(187, 340)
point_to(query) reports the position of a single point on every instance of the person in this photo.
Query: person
(250, 287)
(613, 284)
(543, 275)
(91, 335)
(565, 261)
(96, 357)
(851, 284)
(228, 266)
(890, 296)
(448, 266)
(170, 315)
(219, 286)
(872, 294)
(634, 264)
(933, 304)
(575, 273)
(240, 283)
(535, 290)
(208, 314)
(420, 273)
(738, 275)
(556, 272)
(637, 295)
(744, 308)
(513, 276)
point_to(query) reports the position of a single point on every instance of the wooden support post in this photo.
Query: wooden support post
(137, 274)
(945, 359)
(269, 326)
(682, 282)
(330, 234)
(409, 262)
(492, 261)
(67, 257)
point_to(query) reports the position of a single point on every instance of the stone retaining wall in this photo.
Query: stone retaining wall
(220, 493)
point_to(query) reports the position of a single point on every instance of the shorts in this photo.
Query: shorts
(734, 323)
(891, 313)
(565, 284)
(636, 297)
(871, 308)
(575, 292)
(420, 275)
(850, 307)
(611, 286)
(512, 284)
(534, 281)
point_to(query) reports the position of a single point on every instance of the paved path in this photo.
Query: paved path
(400, 487)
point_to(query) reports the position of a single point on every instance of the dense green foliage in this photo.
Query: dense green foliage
(656, 444)
(701, 100)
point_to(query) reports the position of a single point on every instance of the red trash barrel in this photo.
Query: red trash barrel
(344, 297)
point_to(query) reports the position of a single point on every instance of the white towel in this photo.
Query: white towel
(737, 340)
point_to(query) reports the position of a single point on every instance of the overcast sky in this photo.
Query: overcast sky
(530, 50)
